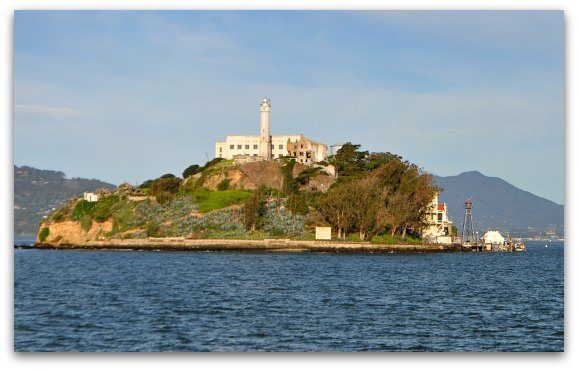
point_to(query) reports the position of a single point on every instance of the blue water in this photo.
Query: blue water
(147, 301)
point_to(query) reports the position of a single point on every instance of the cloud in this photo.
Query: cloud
(45, 110)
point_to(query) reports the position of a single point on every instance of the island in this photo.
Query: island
(371, 201)
(265, 192)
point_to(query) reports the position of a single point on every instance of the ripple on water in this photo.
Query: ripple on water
(142, 301)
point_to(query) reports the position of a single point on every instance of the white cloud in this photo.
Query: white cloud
(45, 110)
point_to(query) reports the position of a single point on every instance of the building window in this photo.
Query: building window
(220, 149)
(254, 155)
(301, 154)
(280, 146)
(255, 146)
(246, 146)
(239, 146)
(440, 217)
(272, 146)
(231, 147)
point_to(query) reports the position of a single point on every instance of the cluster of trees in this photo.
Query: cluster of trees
(376, 193)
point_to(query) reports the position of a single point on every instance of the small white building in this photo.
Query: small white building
(90, 197)
(322, 233)
(493, 237)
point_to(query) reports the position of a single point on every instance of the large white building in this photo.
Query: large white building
(266, 146)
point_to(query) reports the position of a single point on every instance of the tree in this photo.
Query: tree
(255, 209)
(164, 188)
(349, 161)
(368, 196)
(410, 193)
(337, 206)
(290, 185)
(375, 160)
(147, 184)
(191, 170)
(195, 168)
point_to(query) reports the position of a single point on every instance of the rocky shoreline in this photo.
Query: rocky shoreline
(252, 245)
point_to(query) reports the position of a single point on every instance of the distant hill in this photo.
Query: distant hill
(38, 192)
(498, 205)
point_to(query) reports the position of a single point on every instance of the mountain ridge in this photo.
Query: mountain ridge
(498, 204)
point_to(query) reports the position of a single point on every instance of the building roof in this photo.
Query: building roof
(493, 236)
(442, 207)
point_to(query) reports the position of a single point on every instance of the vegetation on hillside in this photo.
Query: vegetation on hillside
(377, 197)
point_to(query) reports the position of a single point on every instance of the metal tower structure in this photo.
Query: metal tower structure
(468, 232)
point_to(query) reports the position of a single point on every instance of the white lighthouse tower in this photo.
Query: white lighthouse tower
(265, 137)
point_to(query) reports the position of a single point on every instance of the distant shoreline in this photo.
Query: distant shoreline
(251, 245)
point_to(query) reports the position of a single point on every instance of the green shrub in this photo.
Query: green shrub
(85, 222)
(211, 163)
(146, 185)
(298, 203)
(290, 185)
(59, 215)
(254, 210)
(191, 170)
(152, 229)
(165, 187)
(43, 234)
(305, 176)
(82, 208)
(102, 208)
(224, 185)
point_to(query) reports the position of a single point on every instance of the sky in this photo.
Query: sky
(131, 95)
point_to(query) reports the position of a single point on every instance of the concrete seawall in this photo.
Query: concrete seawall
(263, 245)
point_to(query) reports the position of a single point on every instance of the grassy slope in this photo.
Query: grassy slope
(213, 200)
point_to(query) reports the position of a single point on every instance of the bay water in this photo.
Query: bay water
(82, 300)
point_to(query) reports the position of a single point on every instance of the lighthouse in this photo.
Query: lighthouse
(265, 137)
(266, 147)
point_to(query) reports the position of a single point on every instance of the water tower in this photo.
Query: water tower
(468, 232)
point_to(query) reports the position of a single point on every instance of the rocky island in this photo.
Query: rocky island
(372, 201)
